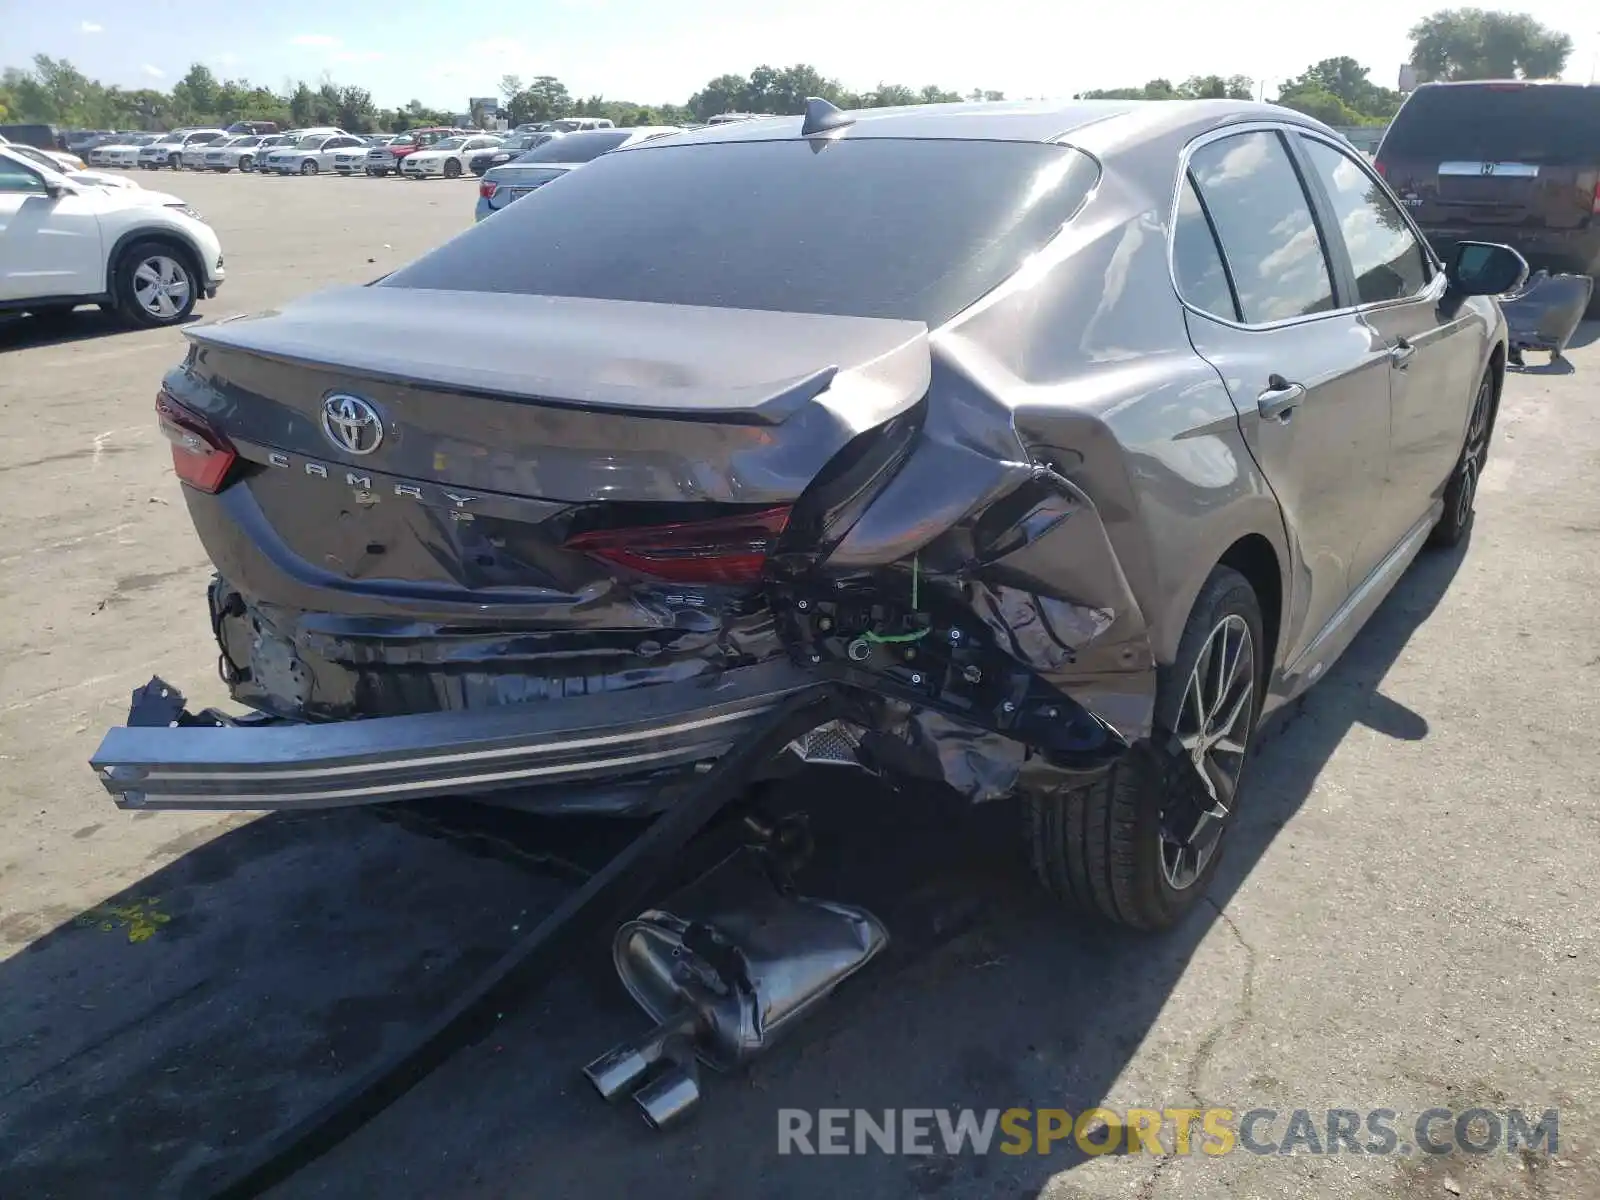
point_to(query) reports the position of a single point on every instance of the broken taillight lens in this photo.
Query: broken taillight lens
(201, 456)
(723, 550)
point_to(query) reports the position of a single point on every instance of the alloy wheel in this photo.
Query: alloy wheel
(1214, 724)
(309, 167)
(161, 286)
(1476, 449)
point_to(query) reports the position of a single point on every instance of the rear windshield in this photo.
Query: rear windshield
(1541, 123)
(580, 147)
(871, 227)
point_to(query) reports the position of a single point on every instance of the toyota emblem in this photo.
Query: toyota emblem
(352, 424)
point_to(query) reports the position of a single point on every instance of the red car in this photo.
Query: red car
(381, 160)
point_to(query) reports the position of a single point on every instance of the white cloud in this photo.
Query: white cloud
(226, 59)
(357, 56)
(153, 72)
(90, 27)
(315, 39)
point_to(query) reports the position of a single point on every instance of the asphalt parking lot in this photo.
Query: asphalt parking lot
(1404, 920)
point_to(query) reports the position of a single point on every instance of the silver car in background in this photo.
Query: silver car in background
(513, 180)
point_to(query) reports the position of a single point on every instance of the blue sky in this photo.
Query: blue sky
(442, 53)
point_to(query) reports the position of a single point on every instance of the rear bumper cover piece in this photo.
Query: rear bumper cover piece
(302, 765)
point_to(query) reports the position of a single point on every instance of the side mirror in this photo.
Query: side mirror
(1485, 269)
(57, 190)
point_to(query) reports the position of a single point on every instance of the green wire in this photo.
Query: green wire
(882, 639)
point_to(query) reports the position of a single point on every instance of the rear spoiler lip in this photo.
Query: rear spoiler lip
(287, 766)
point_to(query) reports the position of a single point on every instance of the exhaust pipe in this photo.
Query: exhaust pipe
(671, 1097)
(725, 969)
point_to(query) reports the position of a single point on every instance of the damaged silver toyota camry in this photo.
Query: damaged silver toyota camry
(1067, 440)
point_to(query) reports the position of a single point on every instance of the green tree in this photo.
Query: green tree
(1217, 87)
(545, 99)
(302, 102)
(195, 96)
(1474, 43)
(723, 94)
(1338, 91)
(356, 112)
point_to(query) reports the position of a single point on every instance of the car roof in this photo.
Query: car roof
(1081, 121)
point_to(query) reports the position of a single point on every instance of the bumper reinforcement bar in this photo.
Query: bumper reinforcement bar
(166, 759)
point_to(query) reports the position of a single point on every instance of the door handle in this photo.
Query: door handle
(1400, 353)
(1280, 398)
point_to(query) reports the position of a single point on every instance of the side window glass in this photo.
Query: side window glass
(1264, 222)
(1384, 254)
(16, 178)
(1196, 260)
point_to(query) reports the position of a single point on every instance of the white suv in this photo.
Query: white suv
(145, 255)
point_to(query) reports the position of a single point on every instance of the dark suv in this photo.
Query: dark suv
(1504, 161)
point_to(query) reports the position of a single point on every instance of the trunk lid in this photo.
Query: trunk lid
(447, 438)
(1517, 155)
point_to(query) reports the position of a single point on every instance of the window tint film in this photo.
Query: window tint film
(1196, 261)
(1540, 123)
(1264, 221)
(873, 227)
(1388, 261)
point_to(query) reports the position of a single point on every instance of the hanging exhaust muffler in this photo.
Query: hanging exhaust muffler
(725, 968)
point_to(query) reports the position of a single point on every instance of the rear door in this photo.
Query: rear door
(1434, 350)
(1521, 156)
(1310, 379)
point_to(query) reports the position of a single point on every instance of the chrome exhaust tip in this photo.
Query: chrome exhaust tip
(623, 1068)
(670, 1098)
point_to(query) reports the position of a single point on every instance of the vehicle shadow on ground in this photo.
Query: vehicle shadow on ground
(149, 1043)
(30, 332)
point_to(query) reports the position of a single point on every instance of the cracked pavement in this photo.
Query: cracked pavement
(1401, 921)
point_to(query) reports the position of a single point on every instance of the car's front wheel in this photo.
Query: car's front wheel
(155, 285)
(1461, 493)
(452, 169)
(174, 161)
(246, 162)
(1140, 844)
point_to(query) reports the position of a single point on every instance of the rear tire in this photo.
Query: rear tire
(1139, 845)
(1461, 493)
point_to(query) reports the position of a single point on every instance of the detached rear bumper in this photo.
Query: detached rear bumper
(292, 766)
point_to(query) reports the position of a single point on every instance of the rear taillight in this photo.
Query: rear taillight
(724, 550)
(1381, 167)
(488, 188)
(201, 456)
(1594, 204)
